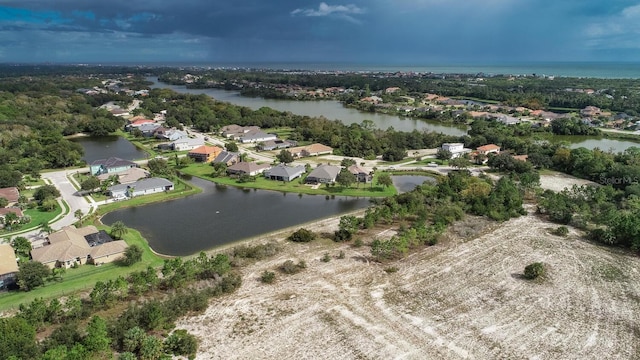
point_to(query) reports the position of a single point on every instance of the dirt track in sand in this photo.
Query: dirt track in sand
(456, 300)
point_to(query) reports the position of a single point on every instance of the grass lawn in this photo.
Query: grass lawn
(364, 190)
(37, 219)
(84, 277)
(282, 132)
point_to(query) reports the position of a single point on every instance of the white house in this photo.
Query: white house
(456, 149)
(186, 144)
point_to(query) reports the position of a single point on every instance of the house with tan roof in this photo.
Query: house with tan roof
(8, 266)
(72, 245)
(310, 150)
(247, 168)
(487, 149)
(204, 153)
(362, 175)
(11, 194)
(127, 176)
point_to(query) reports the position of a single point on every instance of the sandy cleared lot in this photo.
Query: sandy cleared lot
(463, 299)
(559, 181)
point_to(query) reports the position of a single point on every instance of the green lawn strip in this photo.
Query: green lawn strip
(181, 189)
(84, 277)
(37, 219)
(364, 190)
(281, 132)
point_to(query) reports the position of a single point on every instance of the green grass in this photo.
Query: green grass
(84, 277)
(281, 132)
(37, 219)
(364, 190)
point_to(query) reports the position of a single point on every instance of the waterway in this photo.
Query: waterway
(406, 183)
(221, 215)
(96, 148)
(330, 109)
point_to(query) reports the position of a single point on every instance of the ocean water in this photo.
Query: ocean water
(604, 70)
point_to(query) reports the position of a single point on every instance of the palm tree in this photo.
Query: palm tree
(79, 214)
(46, 228)
(118, 229)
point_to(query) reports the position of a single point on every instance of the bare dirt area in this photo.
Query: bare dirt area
(558, 181)
(462, 299)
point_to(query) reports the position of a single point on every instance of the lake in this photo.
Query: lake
(330, 109)
(221, 215)
(96, 148)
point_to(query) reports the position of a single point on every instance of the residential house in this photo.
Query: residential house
(234, 131)
(8, 266)
(362, 175)
(254, 136)
(11, 194)
(111, 165)
(487, 149)
(140, 187)
(590, 111)
(247, 168)
(507, 120)
(520, 157)
(127, 176)
(79, 246)
(323, 174)
(7, 210)
(137, 123)
(372, 99)
(391, 90)
(147, 130)
(283, 172)
(204, 153)
(276, 144)
(227, 157)
(310, 150)
(186, 144)
(119, 112)
(456, 149)
(170, 134)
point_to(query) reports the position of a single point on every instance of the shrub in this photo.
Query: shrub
(534, 270)
(341, 254)
(358, 243)
(326, 257)
(561, 231)
(267, 277)
(302, 235)
(391, 269)
(288, 267)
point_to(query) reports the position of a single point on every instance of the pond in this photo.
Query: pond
(221, 215)
(406, 183)
(96, 148)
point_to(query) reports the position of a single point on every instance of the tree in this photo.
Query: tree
(32, 274)
(22, 246)
(132, 255)
(118, 229)
(18, 339)
(3, 202)
(90, 184)
(97, 339)
(78, 214)
(385, 180)
(46, 192)
(151, 348)
(180, 342)
(345, 178)
(159, 167)
(459, 163)
(231, 146)
(46, 228)
(443, 154)
(346, 162)
(285, 157)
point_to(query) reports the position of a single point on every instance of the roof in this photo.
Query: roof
(324, 172)
(488, 147)
(247, 167)
(142, 185)
(66, 244)
(113, 162)
(256, 134)
(190, 141)
(8, 263)
(318, 148)
(141, 121)
(225, 156)
(10, 193)
(285, 171)
(107, 249)
(126, 176)
(206, 149)
(355, 169)
(15, 210)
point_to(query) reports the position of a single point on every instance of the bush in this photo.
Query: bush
(561, 231)
(288, 267)
(358, 243)
(267, 277)
(534, 270)
(326, 257)
(302, 235)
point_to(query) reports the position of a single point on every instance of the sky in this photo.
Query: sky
(340, 31)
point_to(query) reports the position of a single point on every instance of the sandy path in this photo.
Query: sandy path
(463, 300)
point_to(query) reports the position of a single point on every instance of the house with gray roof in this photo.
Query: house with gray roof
(362, 175)
(323, 174)
(227, 157)
(140, 187)
(254, 136)
(186, 144)
(111, 165)
(283, 172)
(247, 168)
(276, 144)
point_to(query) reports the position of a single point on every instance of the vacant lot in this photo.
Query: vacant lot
(457, 300)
